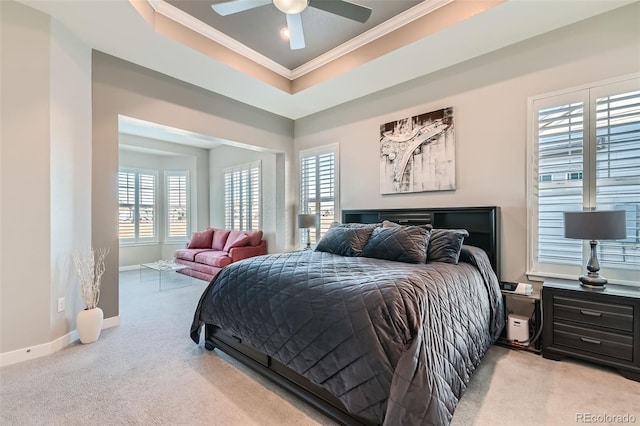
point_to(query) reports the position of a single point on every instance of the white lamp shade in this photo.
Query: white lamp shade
(291, 7)
(595, 225)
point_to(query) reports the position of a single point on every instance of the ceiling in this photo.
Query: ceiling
(451, 31)
(323, 31)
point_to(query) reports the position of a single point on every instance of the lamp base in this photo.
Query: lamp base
(592, 280)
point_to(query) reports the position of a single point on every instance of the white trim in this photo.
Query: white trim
(129, 268)
(398, 21)
(390, 25)
(211, 33)
(44, 349)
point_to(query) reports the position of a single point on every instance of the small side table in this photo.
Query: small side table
(162, 266)
(535, 315)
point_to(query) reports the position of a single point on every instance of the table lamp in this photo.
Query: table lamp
(306, 221)
(594, 226)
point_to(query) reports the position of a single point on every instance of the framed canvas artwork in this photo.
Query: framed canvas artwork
(418, 153)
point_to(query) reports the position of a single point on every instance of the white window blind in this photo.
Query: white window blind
(318, 189)
(137, 210)
(586, 152)
(177, 190)
(242, 197)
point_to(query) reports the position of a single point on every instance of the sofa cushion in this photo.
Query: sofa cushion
(189, 254)
(219, 239)
(201, 240)
(213, 258)
(255, 237)
(236, 239)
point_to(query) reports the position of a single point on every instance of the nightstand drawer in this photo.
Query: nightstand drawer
(598, 342)
(618, 317)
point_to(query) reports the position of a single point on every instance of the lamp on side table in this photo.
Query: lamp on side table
(306, 221)
(593, 226)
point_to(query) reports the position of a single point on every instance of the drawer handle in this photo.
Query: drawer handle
(588, 340)
(590, 313)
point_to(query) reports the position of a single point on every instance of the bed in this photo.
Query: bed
(365, 339)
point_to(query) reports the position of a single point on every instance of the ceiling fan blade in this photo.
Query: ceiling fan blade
(343, 8)
(235, 6)
(296, 34)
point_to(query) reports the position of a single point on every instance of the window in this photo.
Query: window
(585, 147)
(177, 190)
(242, 197)
(137, 199)
(319, 188)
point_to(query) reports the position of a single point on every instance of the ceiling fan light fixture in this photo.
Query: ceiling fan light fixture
(291, 7)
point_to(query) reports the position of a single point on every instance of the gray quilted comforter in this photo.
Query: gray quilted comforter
(396, 342)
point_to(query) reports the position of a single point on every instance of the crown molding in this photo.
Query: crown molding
(211, 33)
(398, 21)
(404, 18)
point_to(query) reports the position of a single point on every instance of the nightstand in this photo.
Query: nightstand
(601, 326)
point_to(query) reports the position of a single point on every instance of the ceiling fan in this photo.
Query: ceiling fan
(293, 8)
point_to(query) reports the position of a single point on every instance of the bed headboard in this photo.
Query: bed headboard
(483, 223)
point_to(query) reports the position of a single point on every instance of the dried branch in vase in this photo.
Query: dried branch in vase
(90, 266)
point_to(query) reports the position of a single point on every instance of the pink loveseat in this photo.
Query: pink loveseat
(212, 249)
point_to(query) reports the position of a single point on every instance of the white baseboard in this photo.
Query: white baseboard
(33, 352)
(129, 268)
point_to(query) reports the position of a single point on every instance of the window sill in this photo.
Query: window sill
(541, 276)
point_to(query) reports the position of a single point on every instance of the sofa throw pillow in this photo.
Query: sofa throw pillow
(255, 237)
(201, 240)
(345, 240)
(220, 237)
(445, 245)
(399, 243)
(236, 239)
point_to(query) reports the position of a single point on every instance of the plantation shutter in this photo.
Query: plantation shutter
(318, 187)
(617, 160)
(127, 208)
(147, 215)
(586, 156)
(560, 183)
(177, 205)
(137, 208)
(242, 197)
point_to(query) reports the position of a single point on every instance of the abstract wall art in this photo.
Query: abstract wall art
(418, 153)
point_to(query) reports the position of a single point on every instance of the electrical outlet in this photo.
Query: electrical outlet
(60, 304)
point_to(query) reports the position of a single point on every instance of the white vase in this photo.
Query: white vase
(89, 324)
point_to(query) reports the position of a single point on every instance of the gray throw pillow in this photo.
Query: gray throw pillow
(399, 243)
(345, 240)
(445, 245)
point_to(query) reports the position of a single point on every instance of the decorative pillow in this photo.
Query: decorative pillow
(239, 241)
(445, 245)
(255, 237)
(389, 224)
(400, 243)
(236, 239)
(345, 240)
(201, 240)
(220, 237)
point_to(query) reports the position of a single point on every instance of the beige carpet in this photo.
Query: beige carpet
(148, 372)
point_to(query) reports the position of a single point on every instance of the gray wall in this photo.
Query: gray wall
(120, 87)
(45, 176)
(489, 95)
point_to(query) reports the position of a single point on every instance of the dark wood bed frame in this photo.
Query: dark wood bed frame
(483, 226)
